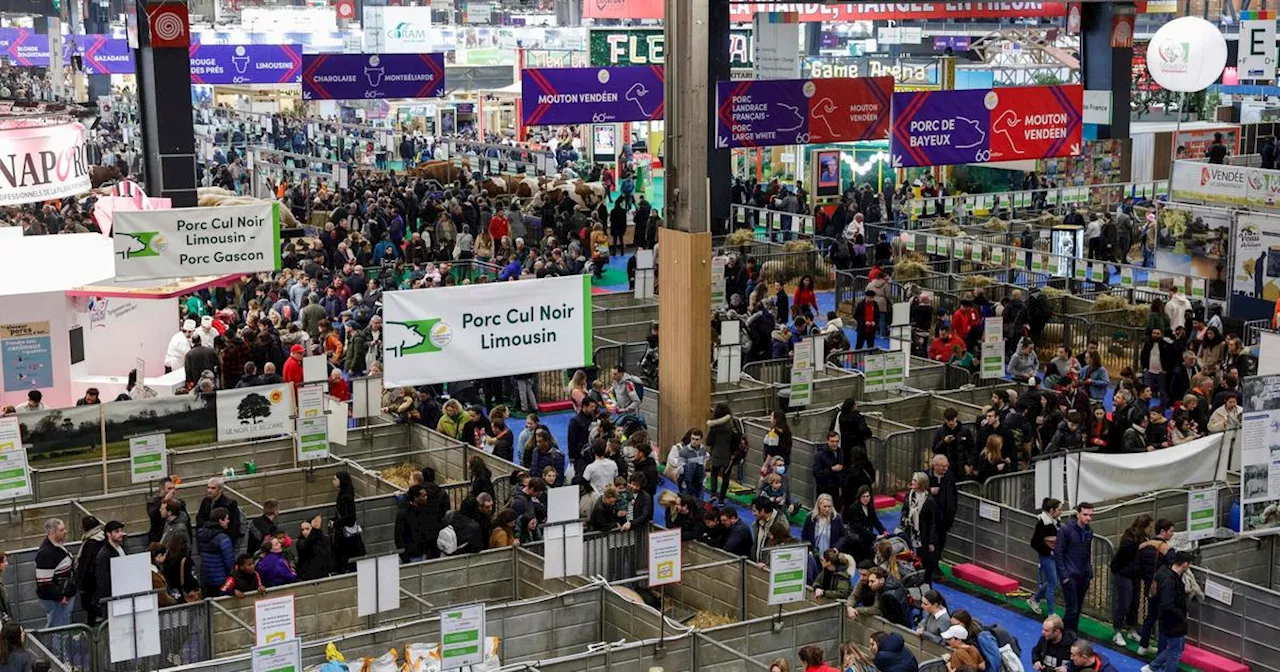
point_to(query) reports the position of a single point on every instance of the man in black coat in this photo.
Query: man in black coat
(215, 498)
(112, 547)
(167, 494)
(946, 497)
(1171, 604)
(411, 525)
(737, 539)
(579, 438)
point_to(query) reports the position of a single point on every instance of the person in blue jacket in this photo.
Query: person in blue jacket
(737, 539)
(892, 654)
(217, 554)
(1073, 556)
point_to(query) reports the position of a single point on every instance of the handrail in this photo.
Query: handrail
(241, 496)
(234, 619)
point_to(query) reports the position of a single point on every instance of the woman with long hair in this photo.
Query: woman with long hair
(481, 477)
(578, 389)
(779, 440)
(862, 525)
(348, 537)
(854, 659)
(179, 570)
(919, 522)
(14, 656)
(824, 530)
(1098, 435)
(721, 432)
(992, 461)
(1126, 574)
(813, 659)
(805, 296)
(1043, 540)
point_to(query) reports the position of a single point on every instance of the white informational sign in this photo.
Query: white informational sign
(130, 574)
(562, 551)
(15, 474)
(254, 412)
(729, 352)
(127, 642)
(873, 373)
(398, 30)
(315, 369)
(281, 657)
(644, 274)
(479, 331)
(803, 355)
(1257, 57)
(336, 416)
(1260, 454)
(993, 330)
(147, 458)
(718, 297)
(992, 360)
(1226, 185)
(777, 48)
(1097, 107)
(989, 511)
(186, 242)
(275, 620)
(366, 395)
(462, 637)
(562, 504)
(1256, 273)
(377, 585)
(895, 370)
(801, 388)
(56, 161)
(311, 400)
(1216, 591)
(1187, 54)
(901, 314)
(1202, 514)
(664, 557)
(786, 574)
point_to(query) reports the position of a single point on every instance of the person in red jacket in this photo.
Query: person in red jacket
(338, 388)
(805, 295)
(945, 345)
(812, 658)
(965, 318)
(293, 365)
(499, 226)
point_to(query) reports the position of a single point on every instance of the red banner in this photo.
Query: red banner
(1034, 122)
(869, 11)
(622, 9)
(847, 110)
(346, 10)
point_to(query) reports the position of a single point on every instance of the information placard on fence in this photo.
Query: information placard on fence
(664, 557)
(274, 620)
(873, 371)
(377, 584)
(15, 475)
(895, 370)
(280, 657)
(1202, 514)
(801, 388)
(462, 637)
(993, 360)
(147, 458)
(786, 574)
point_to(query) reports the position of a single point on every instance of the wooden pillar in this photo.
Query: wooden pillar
(684, 247)
(684, 333)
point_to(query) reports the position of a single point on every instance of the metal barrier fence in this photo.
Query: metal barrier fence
(616, 556)
(1245, 629)
(777, 224)
(185, 637)
(1104, 196)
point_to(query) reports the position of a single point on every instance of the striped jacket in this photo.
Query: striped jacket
(53, 572)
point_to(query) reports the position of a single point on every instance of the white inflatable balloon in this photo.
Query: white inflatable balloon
(1187, 55)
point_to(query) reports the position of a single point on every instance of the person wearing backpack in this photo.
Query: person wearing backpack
(462, 532)
(722, 442)
(1039, 312)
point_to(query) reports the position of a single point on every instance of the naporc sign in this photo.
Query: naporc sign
(481, 331)
(40, 163)
(187, 242)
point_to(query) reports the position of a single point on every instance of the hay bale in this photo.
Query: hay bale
(740, 237)
(798, 246)
(1048, 220)
(1107, 302)
(977, 282)
(909, 268)
(399, 474)
(1054, 292)
(996, 225)
(704, 620)
(950, 230)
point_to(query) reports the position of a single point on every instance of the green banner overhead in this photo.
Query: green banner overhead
(647, 46)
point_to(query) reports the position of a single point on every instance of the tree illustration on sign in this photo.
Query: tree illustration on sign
(253, 409)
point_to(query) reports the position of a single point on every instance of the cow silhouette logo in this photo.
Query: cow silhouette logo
(374, 71)
(418, 337)
(143, 244)
(240, 59)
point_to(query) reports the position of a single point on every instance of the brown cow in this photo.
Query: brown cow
(443, 172)
(100, 175)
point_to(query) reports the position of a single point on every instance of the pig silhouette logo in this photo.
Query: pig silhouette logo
(143, 244)
(416, 337)
(374, 71)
